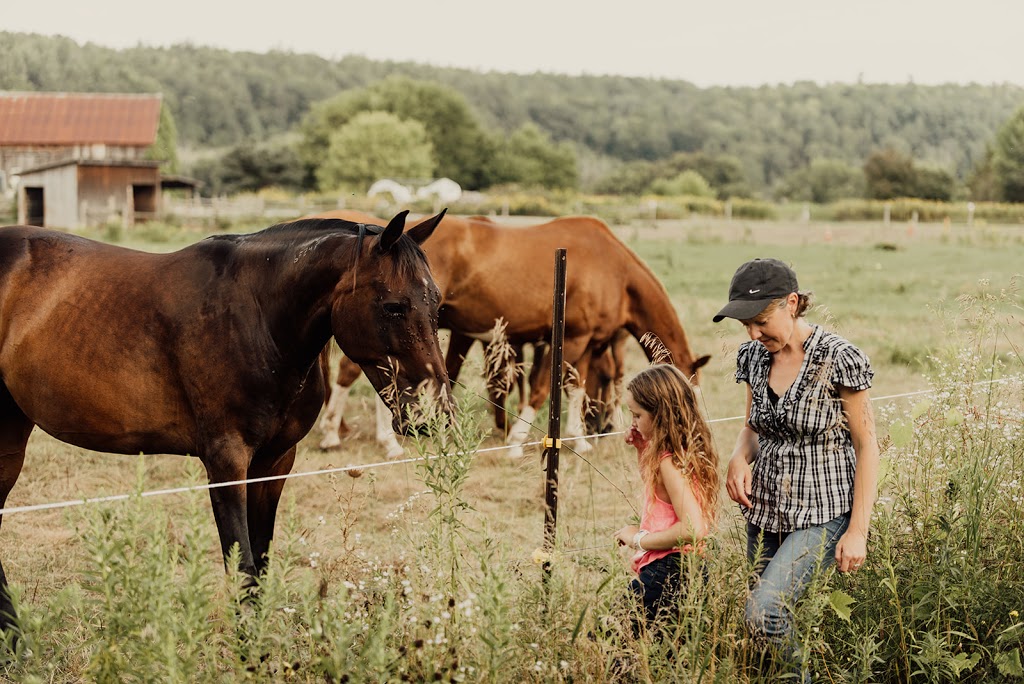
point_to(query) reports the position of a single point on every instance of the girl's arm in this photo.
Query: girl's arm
(692, 527)
(852, 548)
(739, 476)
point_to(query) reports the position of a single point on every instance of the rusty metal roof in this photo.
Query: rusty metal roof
(78, 119)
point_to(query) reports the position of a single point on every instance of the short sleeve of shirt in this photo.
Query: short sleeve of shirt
(743, 363)
(852, 369)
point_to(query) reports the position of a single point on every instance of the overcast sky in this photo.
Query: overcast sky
(713, 42)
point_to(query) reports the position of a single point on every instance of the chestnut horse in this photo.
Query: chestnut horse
(211, 351)
(486, 271)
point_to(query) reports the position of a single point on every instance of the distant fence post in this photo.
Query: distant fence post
(970, 214)
(886, 213)
(553, 440)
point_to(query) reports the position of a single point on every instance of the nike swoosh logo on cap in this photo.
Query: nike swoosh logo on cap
(754, 291)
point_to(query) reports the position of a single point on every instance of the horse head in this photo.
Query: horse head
(393, 291)
(692, 370)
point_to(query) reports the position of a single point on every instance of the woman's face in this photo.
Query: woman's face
(774, 328)
(642, 419)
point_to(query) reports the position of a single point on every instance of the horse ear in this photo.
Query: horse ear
(421, 232)
(394, 231)
(701, 361)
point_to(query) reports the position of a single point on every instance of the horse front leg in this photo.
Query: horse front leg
(576, 391)
(15, 428)
(229, 462)
(332, 423)
(458, 347)
(499, 385)
(262, 500)
(386, 436)
(539, 390)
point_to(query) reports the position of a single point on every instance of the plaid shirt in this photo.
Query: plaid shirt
(803, 474)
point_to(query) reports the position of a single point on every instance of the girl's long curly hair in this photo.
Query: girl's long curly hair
(678, 427)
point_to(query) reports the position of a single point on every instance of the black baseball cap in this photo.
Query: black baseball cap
(755, 285)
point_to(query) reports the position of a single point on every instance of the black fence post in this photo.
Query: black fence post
(553, 441)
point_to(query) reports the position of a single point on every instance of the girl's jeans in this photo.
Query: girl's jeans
(657, 585)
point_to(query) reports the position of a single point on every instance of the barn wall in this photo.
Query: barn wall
(105, 192)
(15, 159)
(60, 195)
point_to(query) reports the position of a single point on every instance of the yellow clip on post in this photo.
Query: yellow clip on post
(548, 443)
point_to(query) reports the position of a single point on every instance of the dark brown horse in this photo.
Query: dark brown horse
(486, 271)
(211, 351)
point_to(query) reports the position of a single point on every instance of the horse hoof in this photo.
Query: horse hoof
(395, 454)
(515, 451)
(581, 446)
(330, 443)
(515, 437)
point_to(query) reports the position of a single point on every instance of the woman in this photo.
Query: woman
(805, 466)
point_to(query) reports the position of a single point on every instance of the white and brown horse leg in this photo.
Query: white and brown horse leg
(385, 430)
(539, 389)
(261, 503)
(15, 428)
(577, 393)
(332, 422)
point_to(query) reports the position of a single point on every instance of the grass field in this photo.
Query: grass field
(896, 292)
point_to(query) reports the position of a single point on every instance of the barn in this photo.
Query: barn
(79, 159)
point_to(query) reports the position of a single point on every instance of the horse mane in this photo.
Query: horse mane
(408, 255)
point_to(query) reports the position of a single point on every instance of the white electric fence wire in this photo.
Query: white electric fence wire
(341, 469)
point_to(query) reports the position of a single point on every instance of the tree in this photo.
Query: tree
(823, 181)
(724, 173)
(1008, 158)
(933, 183)
(250, 167)
(528, 157)
(688, 183)
(165, 147)
(982, 182)
(889, 174)
(460, 144)
(374, 145)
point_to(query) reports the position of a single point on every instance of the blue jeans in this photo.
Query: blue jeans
(657, 585)
(787, 563)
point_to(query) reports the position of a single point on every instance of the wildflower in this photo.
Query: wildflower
(541, 556)
(1014, 614)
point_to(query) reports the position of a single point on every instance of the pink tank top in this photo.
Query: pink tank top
(657, 515)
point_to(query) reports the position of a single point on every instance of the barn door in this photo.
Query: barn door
(35, 210)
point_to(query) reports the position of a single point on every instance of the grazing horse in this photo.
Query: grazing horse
(212, 351)
(486, 271)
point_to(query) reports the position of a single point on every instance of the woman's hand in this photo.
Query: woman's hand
(626, 534)
(851, 550)
(738, 480)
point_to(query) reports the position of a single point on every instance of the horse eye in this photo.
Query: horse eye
(394, 308)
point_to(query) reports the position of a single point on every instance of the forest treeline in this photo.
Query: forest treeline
(220, 98)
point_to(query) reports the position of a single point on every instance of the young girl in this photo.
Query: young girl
(679, 468)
